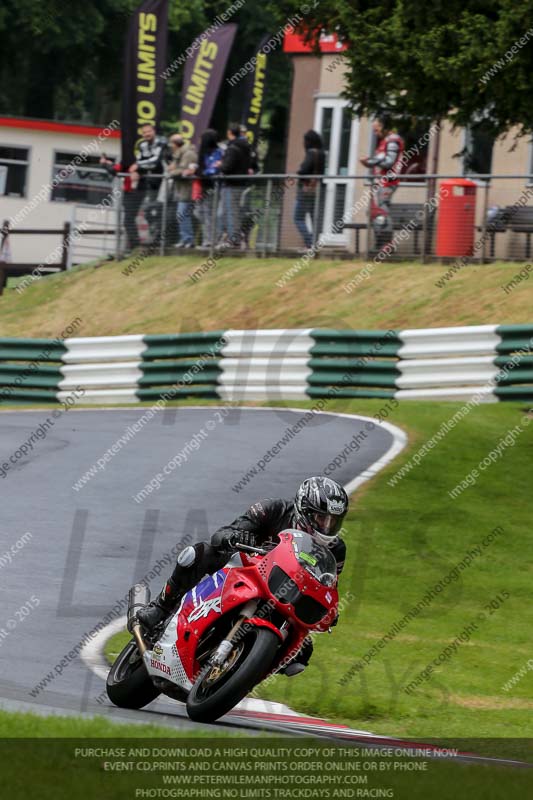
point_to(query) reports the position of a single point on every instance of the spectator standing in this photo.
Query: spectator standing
(182, 167)
(387, 164)
(149, 165)
(248, 219)
(237, 160)
(309, 191)
(209, 161)
(131, 201)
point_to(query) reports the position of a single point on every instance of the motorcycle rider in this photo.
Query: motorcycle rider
(319, 509)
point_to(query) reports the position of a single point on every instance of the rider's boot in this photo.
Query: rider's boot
(182, 579)
(162, 607)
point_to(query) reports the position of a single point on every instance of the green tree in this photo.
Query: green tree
(65, 59)
(62, 59)
(445, 59)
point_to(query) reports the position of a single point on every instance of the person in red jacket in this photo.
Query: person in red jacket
(387, 165)
(131, 201)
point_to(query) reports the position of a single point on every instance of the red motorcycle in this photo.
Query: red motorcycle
(231, 630)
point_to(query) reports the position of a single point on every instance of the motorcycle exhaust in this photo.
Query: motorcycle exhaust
(138, 596)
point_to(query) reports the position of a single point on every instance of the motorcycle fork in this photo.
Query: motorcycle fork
(226, 645)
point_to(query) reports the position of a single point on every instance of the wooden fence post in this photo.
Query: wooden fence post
(66, 245)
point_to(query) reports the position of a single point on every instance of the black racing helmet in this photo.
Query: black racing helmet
(321, 505)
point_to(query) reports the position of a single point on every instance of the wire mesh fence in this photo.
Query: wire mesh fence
(432, 217)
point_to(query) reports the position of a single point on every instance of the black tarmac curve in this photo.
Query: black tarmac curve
(88, 546)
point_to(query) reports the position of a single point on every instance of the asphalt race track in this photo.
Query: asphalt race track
(88, 546)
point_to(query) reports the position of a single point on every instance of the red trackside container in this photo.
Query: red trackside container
(456, 218)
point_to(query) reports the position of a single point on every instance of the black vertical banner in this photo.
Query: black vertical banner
(144, 61)
(203, 75)
(254, 94)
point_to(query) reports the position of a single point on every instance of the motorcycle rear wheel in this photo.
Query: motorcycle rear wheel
(211, 698)
(128, 683)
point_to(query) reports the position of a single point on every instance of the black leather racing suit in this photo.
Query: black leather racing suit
(258, 525)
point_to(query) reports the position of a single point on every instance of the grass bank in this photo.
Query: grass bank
(160, 297)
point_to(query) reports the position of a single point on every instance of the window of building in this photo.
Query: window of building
(415, 134)
(14, 163)
(327, 122)
(477, 153)
(345, 137)
(530, 161)
(79, 183)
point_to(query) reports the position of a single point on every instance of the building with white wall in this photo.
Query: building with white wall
(47, 168)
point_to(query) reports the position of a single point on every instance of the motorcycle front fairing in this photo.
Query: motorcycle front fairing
(174, 656)
(301, 580)
(300, 566)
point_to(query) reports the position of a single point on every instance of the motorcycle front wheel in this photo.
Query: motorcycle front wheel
(128, 683)
(218, 689)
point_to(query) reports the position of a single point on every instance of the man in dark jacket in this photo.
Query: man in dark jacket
(310, 192)
(237, 160)
(149, 165)
(319, 509)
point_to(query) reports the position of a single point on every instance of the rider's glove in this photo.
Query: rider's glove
(235, 538)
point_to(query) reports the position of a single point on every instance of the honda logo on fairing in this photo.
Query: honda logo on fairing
(160, 666)
(205, 608)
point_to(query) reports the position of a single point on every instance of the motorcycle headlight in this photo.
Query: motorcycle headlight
(282, 586)
(309, 610)
(306, 608)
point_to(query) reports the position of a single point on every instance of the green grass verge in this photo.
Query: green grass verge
(14, 725)
(115, 644)
(160, 297)
(402, 540)
(97, 761)
(39, 760)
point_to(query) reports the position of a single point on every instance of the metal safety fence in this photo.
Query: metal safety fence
(485, 363)
(457, 220)
(435, 217)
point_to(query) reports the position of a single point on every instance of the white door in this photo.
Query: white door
(339, 131)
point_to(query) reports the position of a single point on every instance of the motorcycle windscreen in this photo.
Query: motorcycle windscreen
(205, 597)
(314, 557)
